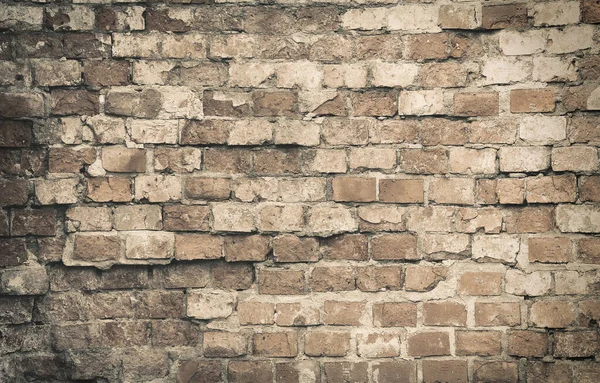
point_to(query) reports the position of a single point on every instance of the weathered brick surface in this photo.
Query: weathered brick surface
(290, 192)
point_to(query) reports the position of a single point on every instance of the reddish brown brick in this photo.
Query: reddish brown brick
(326, 343)
(528, 343)
(444, 314)
(332, 278)
(33, 222)
(354, 189)
(394, 247)
(497, 314)
(343, 313)
(429, 344)
(401, 190)
(483, 343)
(532, 100)
(504, 16)
(476, 104)
(375, 103)
(290, 248)
(379, 278)
(393, 314)
(281, 282)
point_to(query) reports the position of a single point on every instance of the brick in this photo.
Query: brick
(394, 247)
(297, 371)
(337, 131)
(431, 219)
(527, 343)
(202, 304)
(250, 312)
(246, 371)
(532, 100)
(552, 314)
(186, 218)
(490, 371)
(480, 283)
(137, 217)
(158, 188)
(84, 218)
(423, 161)
(158, 304)
(504, 16)
(14, 192)
(382, 218)
(282, 344)
(277, 161)
(209, 188)
(571, 39)
(584, 129)
(290, 248)
(428, 46)
(551, 189)
(401, 190)
(354, 189)
(510, 191)
(496, 248)
(325, 220)
(444, 246)
(182, 274)
(336, 372)
(575, 344)
(56, 73)
(149, 245)
(444, 75)
(497, 130)
(279, 103)
(374, 103)
(392, 314)
(523, 159)
(281, 282)
(459, 16)
(178, 160)
(325, 161)
(348, 246)
(320, 343)
(21, 105)
(529, 220)
(97, 247)
(429, 344)
(575, 158)
(444, 314)
(472, 161)
(375, 345)
(69, 102)
(422, 103)
(343, 313)
(543, 130)
(462, 190)
(379, 278)
(394, 75)
(444, 370)
(123, 277)
(332, 278)
(550, 250)
(198, 246)
(372, 158)
(549, 372)
(232, 276)
(391, 371)
(497, 314)
(589, 187)
(15, 134)
(246, 248)
(590, 12)
(423, 278)
(231, 162)
(297, 314)
(27, 281)
(191, 369)
(67, 160)
(476, 104)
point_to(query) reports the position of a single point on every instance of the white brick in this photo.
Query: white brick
(230, 216)
(158, 188)
(105, 129)
(532, 284)
(524, 158)
(149, 244)
(394, 74)
(496, 248)
(303, 74)
(548, 69)
(365, 19)
(472, 161)
(345, 75)
(515, 43)
(294, 132)
(540, 129)
(250, 132)
(154, 131)
(505, 70)
(570, 39)
(413, 17)
(79, 18)
(203, 304)
(57, 191)
(556, 13)
(422, 102)
(328, 219)
(250, 74)
(21, 18)
(578, 218)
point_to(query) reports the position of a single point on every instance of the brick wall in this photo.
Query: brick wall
(297, 192)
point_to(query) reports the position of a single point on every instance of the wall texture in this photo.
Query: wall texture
(353, 191)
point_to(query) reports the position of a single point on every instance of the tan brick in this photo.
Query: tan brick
(401, 190)
(497, 314)
(290, 248)
(589, 188)
(534, 283)
(480, 283)
(394, 246)
(296, 371)
(444, 314)
(510, 190)
(575, 158)
(423, 161)
(149, 245)
(375, 345)
(428, 46)
(245, 248)
(332, 278)
(235, 217)
(485, 192)
(429, 344)
(452, 191)
(56, 73)
(379, 278)
(552, 314)
(281, 282)
(528, 343)
(576, 344)
(375, 103)
(343, 313)
(444, 246)
(459, 16)
(326, 343)
(326, 161)
(297, 314)
(504, 16)
(552, 189)
(137, 217)
(348, 246)
(529, 220)
(393, 75)
(540, 130)
(84, 218)
(496, 248)
(326, 220)
(431, 219)
(107, 189)
(281, 218)
(123, 160)
(178, 160)
(222, 344)
(67, 160)
(158, 188)
(245, 371)
(476, 104)
(392, 314)
(338, 131)
(424, 278)
(501, 130)
(482, 343)
(198, 246)
(422, 103)
(354, 189)
(207, 188)
(441, 131)
(277, 344)
(57, 191)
